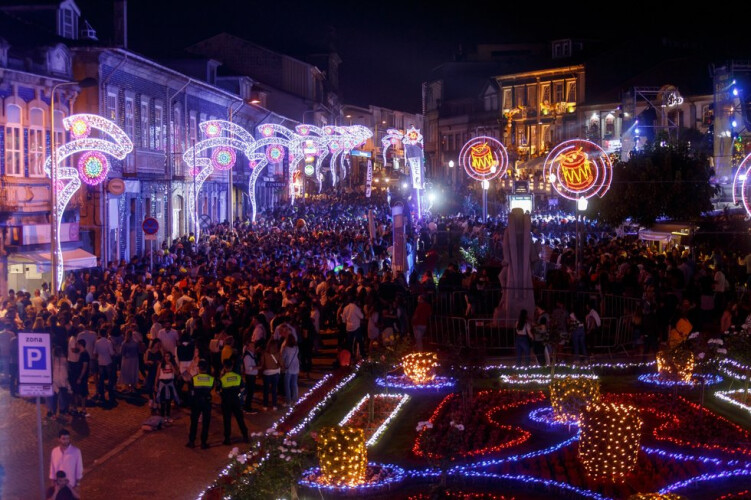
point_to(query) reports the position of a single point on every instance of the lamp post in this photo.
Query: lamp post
(581, 206)
(485, 187)
(54, 257)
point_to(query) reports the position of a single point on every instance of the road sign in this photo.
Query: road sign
(150, 225)
(35, 390)
(34, 358)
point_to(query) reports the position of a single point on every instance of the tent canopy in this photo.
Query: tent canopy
(73, 259)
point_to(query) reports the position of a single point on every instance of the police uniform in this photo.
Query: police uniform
(230, 390)
(203, 383)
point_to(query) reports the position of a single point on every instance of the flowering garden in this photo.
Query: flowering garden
(603, 431)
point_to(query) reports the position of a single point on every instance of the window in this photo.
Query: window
(68, 24)
(36, 142)
(609, 125)
(130, 117)
(13, 141)
(571, 91)
(507, 104)
(545, 97)
(158, 130)
(177, 128)
(111, 105)
(193, 128)
(146, 139)
(558, 89)
(532, 96)
(519, 91)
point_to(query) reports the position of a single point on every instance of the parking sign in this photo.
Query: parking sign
(34, 358)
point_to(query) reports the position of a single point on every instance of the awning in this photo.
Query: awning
(73, 259)
(655, 236)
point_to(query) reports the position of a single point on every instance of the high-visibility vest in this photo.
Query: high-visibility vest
(230, 379)
(203, 381)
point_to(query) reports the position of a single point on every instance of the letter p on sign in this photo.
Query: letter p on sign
(34, 358)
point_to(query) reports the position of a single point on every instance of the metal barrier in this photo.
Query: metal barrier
(484, 333)
(448, 331)
(606, 337)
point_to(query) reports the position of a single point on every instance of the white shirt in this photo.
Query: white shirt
(169, 340)
(352, 315)
(69, 461)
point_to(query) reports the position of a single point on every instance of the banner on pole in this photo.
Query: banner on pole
(369, 180)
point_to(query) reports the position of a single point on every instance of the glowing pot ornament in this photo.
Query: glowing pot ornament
(343, 456)
(578, 169)
(609, 440)
(420, 367)
(223, 158)
(93, 167)
(569, 397)
(677, 364)
(484, 158)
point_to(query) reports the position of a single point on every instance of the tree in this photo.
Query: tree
(669, 180)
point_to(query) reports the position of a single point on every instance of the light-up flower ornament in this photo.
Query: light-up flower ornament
(80, 128)
(212, 129)
(93, 167)
(223, 158)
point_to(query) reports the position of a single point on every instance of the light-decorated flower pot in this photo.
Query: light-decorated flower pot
(420, 367)
(656, 496)
(342, 455)
(609, 440)
(677, 364)
(569, 396)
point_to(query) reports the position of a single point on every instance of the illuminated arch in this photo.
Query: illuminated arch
(92, 166)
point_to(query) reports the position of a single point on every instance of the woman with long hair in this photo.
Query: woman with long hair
(166, 391)
(291, 364)
(271, 367)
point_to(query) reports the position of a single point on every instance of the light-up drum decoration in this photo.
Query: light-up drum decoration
(213, 129)
(609, 440)
(484, 158)
(579, 169)
(343, 456)
(742, 184)
(677, 364)
(93, 167)
(569, 397)
(420, 367)
(223, 158)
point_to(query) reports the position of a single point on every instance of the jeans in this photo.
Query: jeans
(270, 383)
(106, 371)
(290, 387)
(578, 339)
(250, 389)
(522, 348)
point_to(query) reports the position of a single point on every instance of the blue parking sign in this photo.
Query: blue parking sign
(35, 358)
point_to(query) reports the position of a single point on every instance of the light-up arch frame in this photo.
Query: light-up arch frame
(223, 157)
(414, 154)
(68, 178)
(742, 184)
(315, 134)
(578, 169)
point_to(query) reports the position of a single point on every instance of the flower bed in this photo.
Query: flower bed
(482, 433)
(683, 423)
(385, 408)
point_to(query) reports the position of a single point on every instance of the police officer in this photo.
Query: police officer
(202, 384)
(230, 390)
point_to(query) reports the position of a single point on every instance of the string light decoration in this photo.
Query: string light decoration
(342, 455)
(379, 478)
(484, 158)
(223, 158)
(420, 367)
(275, 154)
(656, 496)
(676, 364)
(735, 397)
(538, 378)
(93, 167)
(659, 380)
(578, 169)
(609, 440)
(402, 382)
(92, 170)
(399, 399)
(569, 396)
(742, 184)
(734, 369)
(463, 495)
(745, 472)
(547, 417)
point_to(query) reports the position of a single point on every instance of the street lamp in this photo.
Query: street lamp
(485, 187)
(581, 206)
(54, 257)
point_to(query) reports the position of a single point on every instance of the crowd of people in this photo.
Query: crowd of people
(252, 299)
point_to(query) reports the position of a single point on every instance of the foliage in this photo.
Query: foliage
(474, 252)
(659, 181)
(269, 471)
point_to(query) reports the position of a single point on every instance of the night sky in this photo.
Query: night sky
(387, 48)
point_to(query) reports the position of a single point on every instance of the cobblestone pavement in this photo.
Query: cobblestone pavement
(120, 460)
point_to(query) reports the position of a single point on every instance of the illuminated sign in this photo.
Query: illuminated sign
(310, 170)
(578, 169)
(484, 158)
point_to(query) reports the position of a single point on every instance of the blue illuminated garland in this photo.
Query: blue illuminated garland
(404, 383)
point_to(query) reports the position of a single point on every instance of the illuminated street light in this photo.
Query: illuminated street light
(451, 163)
